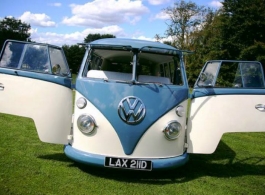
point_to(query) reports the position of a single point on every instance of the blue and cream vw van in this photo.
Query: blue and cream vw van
(131, 101)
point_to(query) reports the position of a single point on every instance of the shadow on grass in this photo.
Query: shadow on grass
(222, 163)
(61, 157)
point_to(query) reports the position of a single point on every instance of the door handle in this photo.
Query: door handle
(260, 107)
(2, 87)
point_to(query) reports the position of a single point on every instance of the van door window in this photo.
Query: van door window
(11, 55)
(232, 74)
(59, 65)
(36, 59)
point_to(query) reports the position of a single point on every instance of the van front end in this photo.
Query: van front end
(130, 107)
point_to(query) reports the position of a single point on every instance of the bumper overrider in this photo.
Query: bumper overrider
(125, 163)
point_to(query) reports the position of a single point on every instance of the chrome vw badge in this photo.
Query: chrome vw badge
(131, 110)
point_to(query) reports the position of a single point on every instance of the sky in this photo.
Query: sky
(61, 22)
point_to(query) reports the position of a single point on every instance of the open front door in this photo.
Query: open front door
(229, 96)
(35, 82)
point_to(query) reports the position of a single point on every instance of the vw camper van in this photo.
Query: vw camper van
(132, 106)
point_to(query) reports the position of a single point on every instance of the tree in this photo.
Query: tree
(184, 19)
(235, 31)
(243, 25)
(74, 55)
(92, 37)
(187, 20)
(254, 52)
(11, 28)
(157, 37)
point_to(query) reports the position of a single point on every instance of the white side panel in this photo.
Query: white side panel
(212, 116)
(105, 141)
(48, 104)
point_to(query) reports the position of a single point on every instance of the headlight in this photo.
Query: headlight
(180, 111)
(172, 130)
(86, 124)
(81, 103)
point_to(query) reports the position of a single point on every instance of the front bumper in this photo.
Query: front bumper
(99, 160)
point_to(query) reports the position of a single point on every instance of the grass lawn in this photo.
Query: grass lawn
(28, 166)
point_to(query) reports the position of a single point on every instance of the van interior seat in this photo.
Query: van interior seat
(100, 74)
(155, 79)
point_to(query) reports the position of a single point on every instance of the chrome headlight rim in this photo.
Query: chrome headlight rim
(86, 124)
(81, 103)
(169, 131)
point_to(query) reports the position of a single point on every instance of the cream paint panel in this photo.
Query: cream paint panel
(106, 141)
(153, 144)
(212, 116)
(48, 104)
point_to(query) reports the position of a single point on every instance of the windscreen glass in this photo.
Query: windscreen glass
(118, 65)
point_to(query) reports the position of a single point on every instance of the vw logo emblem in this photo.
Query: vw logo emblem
(131, 110)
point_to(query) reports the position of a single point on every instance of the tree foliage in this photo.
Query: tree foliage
(235, 31)
(185, 17)
(92, 37)
(11, 28)
(74, 55)
(243, 25)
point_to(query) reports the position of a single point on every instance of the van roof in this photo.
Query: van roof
(134, 43)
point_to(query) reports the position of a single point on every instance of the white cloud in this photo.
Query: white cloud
(143, 38)
(162, 15)
(216, 4)
(99, 13)
(37, 19)
(158, 2)
(75, 37)
(6, 59)
(114, 30)
(33, 30)
(55, 4)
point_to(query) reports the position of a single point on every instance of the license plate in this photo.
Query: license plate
(126, 163)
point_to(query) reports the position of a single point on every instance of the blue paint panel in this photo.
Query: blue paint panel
(105, 96)
(99, 160)
(65, 81)
(201, 92)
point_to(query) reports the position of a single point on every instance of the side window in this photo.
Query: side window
(58, 62)
(209, 74)
(240, 74)
(11, 55)
(229, 75)
(36, 59)
(252, 75)
(232, 74)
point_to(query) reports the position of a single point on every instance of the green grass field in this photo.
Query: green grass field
(28, 166)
